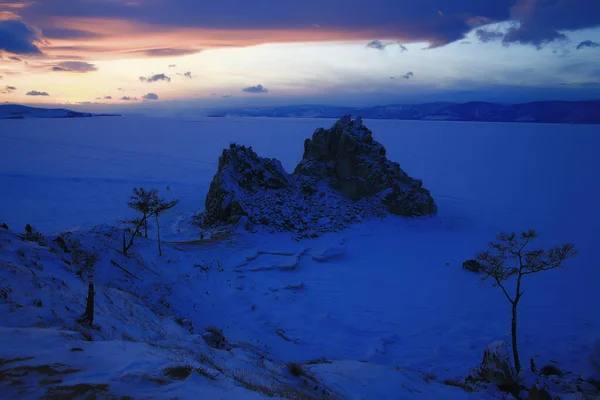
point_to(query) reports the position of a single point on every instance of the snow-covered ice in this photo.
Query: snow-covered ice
(389, 306)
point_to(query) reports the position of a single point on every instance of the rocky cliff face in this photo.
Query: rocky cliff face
(352, 162)
(241, 173)
(344, 176)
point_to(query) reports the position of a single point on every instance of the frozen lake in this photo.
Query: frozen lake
(68, 172)
(485, 177)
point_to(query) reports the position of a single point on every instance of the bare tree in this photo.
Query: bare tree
(148, 203)
(88, 315)
(140, 201)
(509, 258)
(132, 226)
(159, 206)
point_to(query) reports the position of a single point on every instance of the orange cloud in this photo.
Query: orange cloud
(4, 15)
(113, 38)
(22, 4)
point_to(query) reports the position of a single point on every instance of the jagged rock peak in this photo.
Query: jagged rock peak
(347, 156)
(241, 171)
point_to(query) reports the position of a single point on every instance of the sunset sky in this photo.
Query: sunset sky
(185, 53)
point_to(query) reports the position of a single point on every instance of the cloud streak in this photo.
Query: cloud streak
(186, 74)
(150, 96)
(376, 44)
(486, 36)
(74, 66)
(155, 78)
(9, 89)
(587, 43)
(36, 93)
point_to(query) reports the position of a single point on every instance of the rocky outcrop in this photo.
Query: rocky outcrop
(33, 235)
(241, 173)
(496, 368)
(347, 157)
(344, 176)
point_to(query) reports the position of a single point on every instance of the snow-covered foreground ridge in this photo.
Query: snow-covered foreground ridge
(147, 339)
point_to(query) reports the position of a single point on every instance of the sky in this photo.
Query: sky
(108, 54)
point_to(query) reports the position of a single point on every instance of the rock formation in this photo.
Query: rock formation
(344, 176)
(241, 173)
(347, 156)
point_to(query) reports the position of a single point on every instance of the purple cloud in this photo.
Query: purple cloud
(167, 52)
(486, 36)
(74, 66)
(59, 33)
(19, 38)
(150, 96)
(587, 43)
(435, 21)
(255, 89)
(393, 19)
(186, 74)
(155, 78)
(542, 22)
(376, 44)
(36, 93)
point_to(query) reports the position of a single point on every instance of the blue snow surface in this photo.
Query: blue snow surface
(392, 294)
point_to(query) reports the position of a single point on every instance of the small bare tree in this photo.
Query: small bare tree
(509, 258)
(88, 315)
(140, 201)
(148, 203)
(132, 226)
(158, 206)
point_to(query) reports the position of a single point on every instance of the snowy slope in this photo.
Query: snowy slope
(149, 317)
(384, 302)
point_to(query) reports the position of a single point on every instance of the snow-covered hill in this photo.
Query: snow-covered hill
(563, 112)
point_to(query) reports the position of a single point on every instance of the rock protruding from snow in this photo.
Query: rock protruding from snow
(241, 173)
(329, 252)
(33, 235)
(350, 160)
(343, 178)
(496, 367)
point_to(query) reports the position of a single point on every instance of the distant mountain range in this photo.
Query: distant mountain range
(14, 111)
(559, 112)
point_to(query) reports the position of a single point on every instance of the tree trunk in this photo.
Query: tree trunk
(145, 226)
(158, 235)
(514, 337)
(88, 315)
